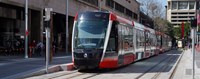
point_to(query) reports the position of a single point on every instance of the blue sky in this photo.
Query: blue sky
(164, 2)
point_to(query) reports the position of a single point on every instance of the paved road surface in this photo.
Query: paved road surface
(158, 66)
(15, 67)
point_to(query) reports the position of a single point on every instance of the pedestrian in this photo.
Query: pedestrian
(32, 46)
(54, 45)
(40, 47)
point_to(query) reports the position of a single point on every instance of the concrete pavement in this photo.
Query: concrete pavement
(185, 67)
(12, 67)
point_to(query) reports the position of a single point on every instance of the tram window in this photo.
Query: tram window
(111, 45)
(155, 42)
(142, 37)
(139, 38)
(131, 37)
(126, 38)
(112, 40)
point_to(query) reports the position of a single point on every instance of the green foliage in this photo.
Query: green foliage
(177, 31)
(164, 26)
(169, 30)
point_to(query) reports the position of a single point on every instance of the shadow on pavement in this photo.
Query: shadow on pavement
(147, 65)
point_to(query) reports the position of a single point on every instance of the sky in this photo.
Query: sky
(164, 2)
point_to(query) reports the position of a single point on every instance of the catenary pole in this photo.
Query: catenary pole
(26, 28)
(100, 5)
(67, 34)
(193, 52)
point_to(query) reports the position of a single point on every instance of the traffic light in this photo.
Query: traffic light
(193, 22)
(48, 14)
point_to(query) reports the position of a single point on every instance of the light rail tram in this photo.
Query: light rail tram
(105, 40)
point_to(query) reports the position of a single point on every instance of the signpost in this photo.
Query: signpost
(193, 23)
(48, 35)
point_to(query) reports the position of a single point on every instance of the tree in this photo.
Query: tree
(177, 31)
(154, 9)
(169, 29)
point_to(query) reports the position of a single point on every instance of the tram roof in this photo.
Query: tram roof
(123, 20)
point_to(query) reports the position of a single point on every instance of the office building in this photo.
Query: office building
(12, 17)
(179, 11)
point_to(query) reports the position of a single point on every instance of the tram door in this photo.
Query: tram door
(120, 45)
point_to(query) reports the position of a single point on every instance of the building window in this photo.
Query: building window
(174, 5)
(129, 13)
(183, 13)
(191, 13)
(11, 26)
(182, 20)
(199, 5)
(173, 13)
(182, 17)
(119, 7)
(191, 5)
(93, 2)
(183, 5)
(135, 16)
(174, 20)
(191, 16)
(110, 3)
(174, 17)
(8, 12)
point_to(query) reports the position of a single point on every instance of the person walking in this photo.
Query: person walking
(40, 47)
(32, 46)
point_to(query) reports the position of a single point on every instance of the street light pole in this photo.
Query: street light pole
(67, 34)
(197, 13)
(26, 28)
(99, 5)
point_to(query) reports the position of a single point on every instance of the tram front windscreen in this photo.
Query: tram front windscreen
(90, 31)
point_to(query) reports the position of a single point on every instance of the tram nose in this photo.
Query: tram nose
(88, 54)
(87, 59)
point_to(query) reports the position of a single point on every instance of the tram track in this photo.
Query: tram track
(64, 74)
(171, 60)
(155, 71)
(168, 59)
(138, 77)
(76, 74)
(175, 68)
(92, 76)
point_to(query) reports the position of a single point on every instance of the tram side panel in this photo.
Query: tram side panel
(140, 40)
(124, 45)
(111, 58)
(128, 49)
